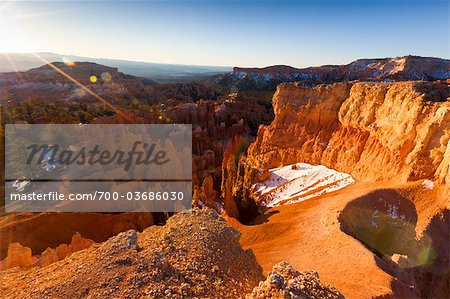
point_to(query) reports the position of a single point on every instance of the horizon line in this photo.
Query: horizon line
(218, 66)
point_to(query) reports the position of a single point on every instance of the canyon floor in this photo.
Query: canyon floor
(308, 235)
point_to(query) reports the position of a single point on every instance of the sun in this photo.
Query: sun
(13, 35)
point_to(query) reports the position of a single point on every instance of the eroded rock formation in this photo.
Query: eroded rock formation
(374, 131)
(18, 256)
(382, 134)
(56, 230)
(21, 256)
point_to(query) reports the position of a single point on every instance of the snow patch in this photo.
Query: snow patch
(427, 184)
(298, 182)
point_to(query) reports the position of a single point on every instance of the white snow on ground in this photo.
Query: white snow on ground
(427, 184)
(298, 182)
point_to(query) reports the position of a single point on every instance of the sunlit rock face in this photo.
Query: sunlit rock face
(373, 131)
(18, 256)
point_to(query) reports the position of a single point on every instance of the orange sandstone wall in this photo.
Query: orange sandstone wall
(373, 130)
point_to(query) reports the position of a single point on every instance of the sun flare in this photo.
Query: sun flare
(14, 36)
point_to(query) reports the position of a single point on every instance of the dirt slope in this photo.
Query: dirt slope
(194, 255)
(308, 235)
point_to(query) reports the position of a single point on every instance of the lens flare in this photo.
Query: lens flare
(239, 146)
(87, 90)
(80, 92)
(106, 77)
(427, 256)
(69, 62)
(93, 78)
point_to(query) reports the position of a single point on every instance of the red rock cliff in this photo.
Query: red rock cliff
(374, 131)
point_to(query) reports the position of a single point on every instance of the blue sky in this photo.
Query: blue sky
(230, 33)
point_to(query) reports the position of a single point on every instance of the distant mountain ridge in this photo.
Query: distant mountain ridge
(59, 81)
(406, 68)
(56, 82)
(156, 71)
